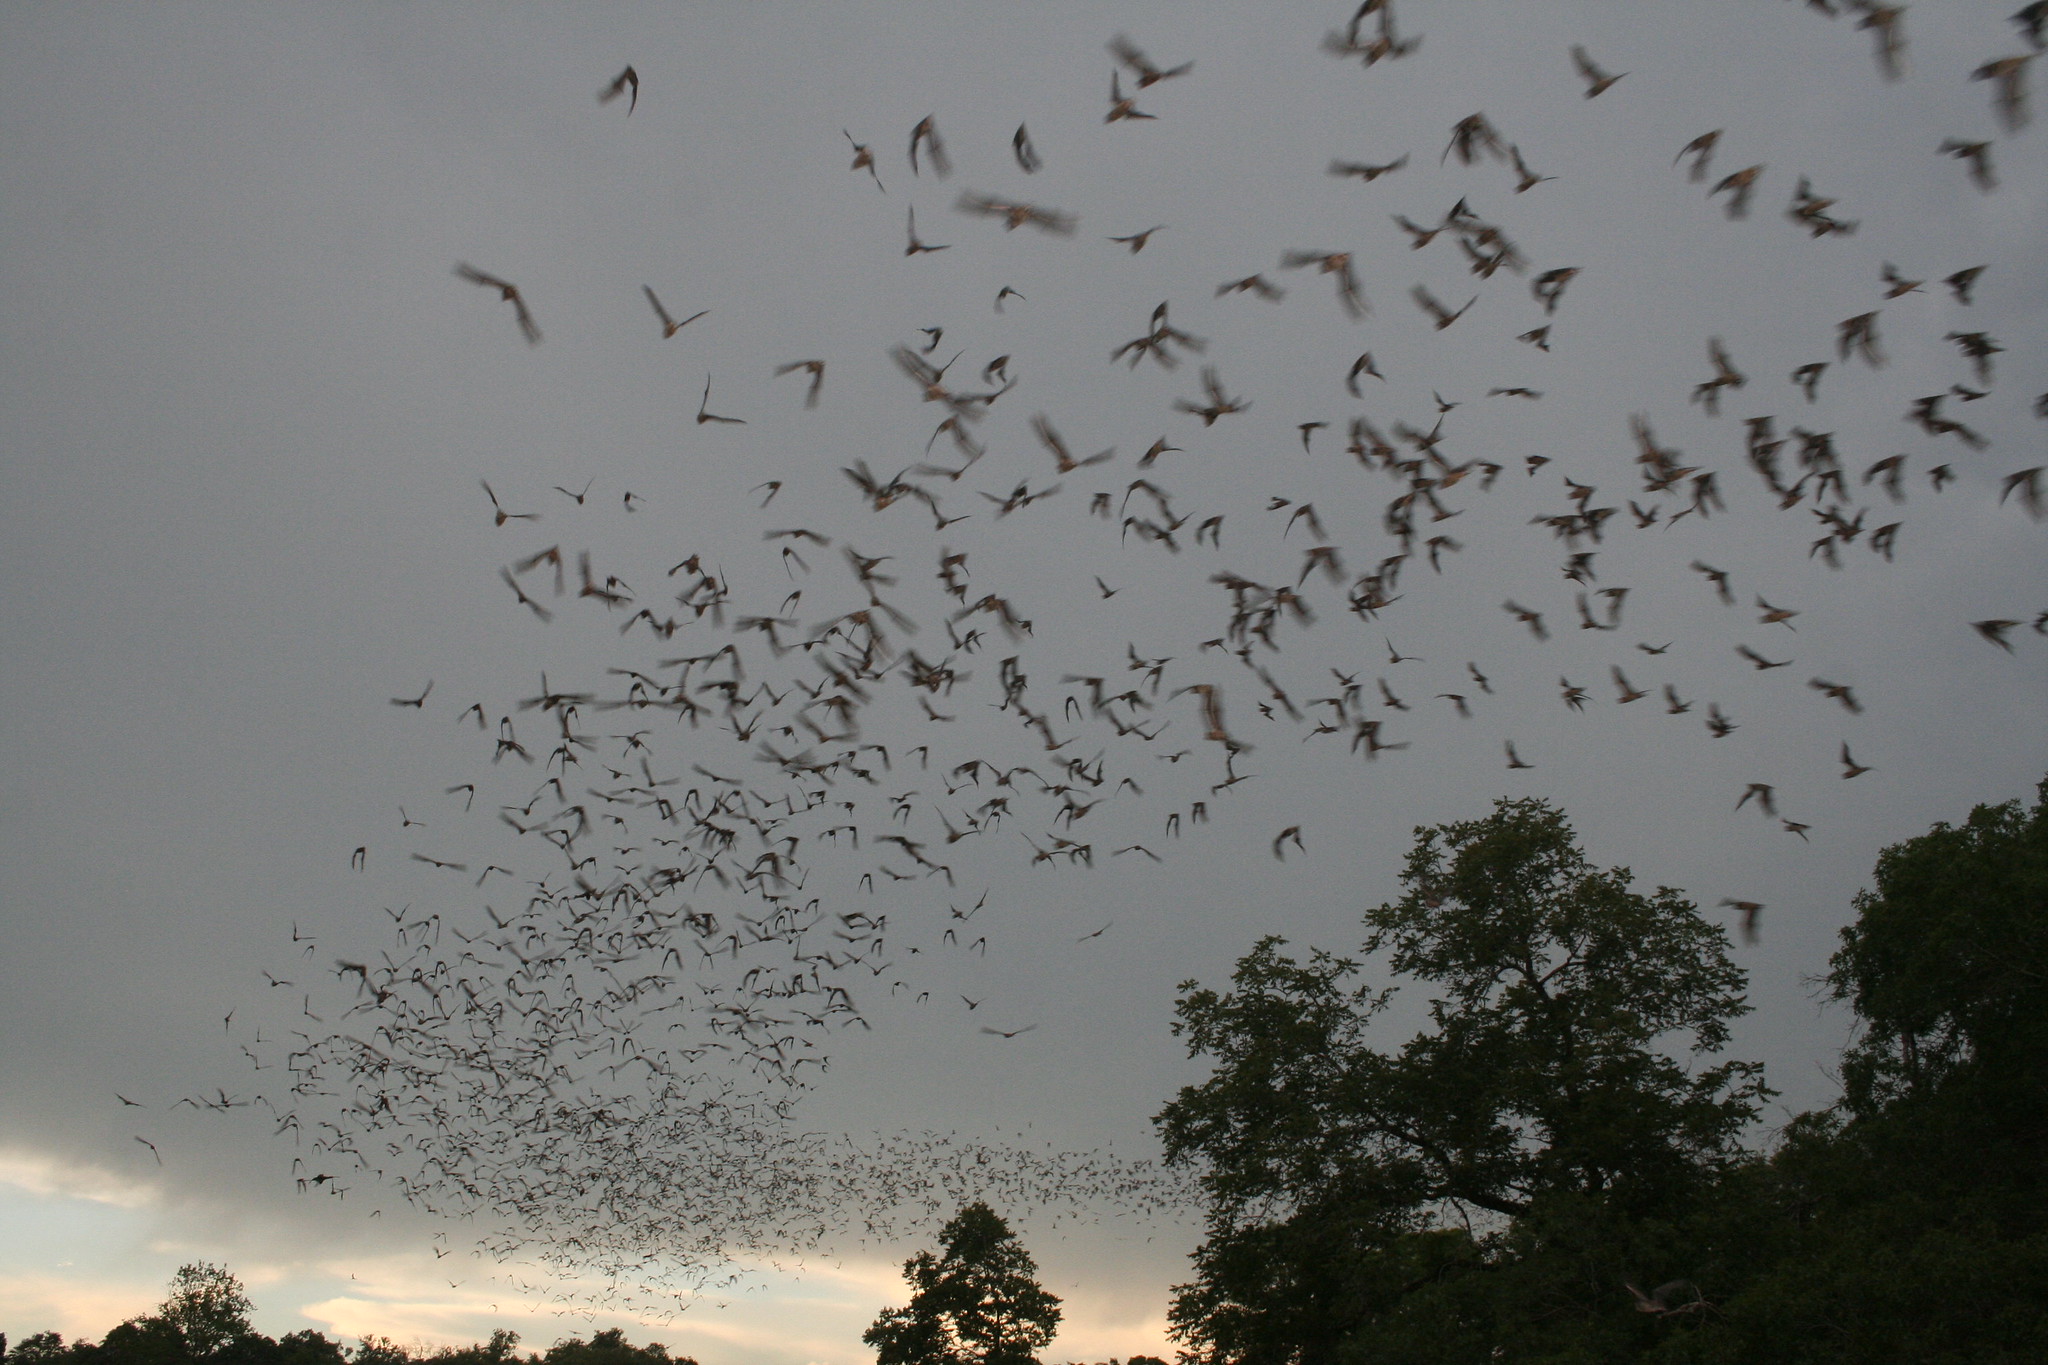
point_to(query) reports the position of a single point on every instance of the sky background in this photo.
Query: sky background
(247, 406)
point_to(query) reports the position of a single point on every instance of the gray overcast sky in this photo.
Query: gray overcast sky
(248, 405)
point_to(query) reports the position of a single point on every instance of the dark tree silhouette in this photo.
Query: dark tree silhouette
(1547, 1107)
(208, 1306)
(977, 1303)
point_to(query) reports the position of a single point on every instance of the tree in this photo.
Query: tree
(208, 1306)
(610, 1347)
(1947, 968)
(978, 1303)
(1508, 1171)
(501, 1349)
(380, 1350)
(1907, 1221)
(308, 1347)
(149, 1340)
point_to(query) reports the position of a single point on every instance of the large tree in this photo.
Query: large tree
(1910, 1220)
(1947, 968)
(977, 1303)
(208, 1306)
(1512, 1167)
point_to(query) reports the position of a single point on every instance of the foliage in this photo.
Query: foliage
(206, 1318)
(208, 1307)
(308, 1347)
(499, 1350)
(976, 1304)
(609, 1347)
(149, 1340)
(1910, 1221)
(1515, 1163)
(1513, 1182)
(376, 1350)
(1947, 968)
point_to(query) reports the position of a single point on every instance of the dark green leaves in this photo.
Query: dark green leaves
(1948, 963)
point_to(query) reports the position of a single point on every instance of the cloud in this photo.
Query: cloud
(44, 1174)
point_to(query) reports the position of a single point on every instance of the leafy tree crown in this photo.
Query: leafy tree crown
(977, 1303)
(209, 1306)
(1947, 965)
(1565, 1078)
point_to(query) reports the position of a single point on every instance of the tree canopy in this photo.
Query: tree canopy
(1947, 968)
(1909, 1221)
(208, 1307)
(205, 1318)
(977, 1303)
(1554, 1168)
(1536, 1133)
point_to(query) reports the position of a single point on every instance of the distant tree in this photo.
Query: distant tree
(308, 1347)
(502, 1347)
(1496, 1183)
(149, 1340)
(376, 1350)
(252, 1348)
(610, 1347)
(208, 1306)
(977, 1303)
(38, 1349)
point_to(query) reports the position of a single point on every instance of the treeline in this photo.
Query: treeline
(147, 1341)
(1558, 1168)
(206, 1318)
